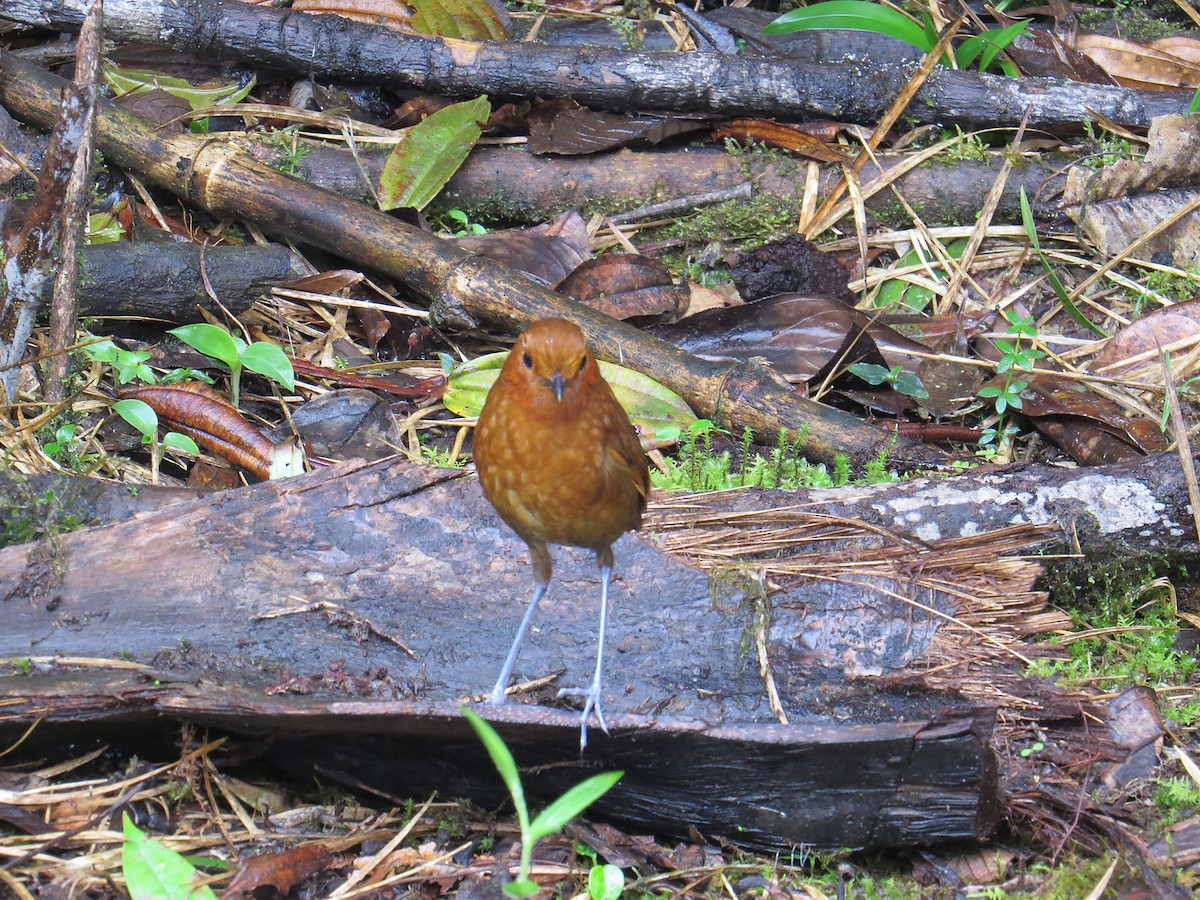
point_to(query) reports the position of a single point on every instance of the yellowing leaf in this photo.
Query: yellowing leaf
(198, 96)
(430, 153)
(472, 20)
(650, 405)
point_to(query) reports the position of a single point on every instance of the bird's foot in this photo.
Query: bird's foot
(497, 696)
(591, 703)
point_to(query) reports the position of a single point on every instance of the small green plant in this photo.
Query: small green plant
(1033, 749)
(131, 365)
(235, 354)
(1176, 798)
(66, 447)
(550, 820)
(128, 365)
(631, 31)
(904, 382)
(605, 881)
(462, 226)
(1015, 356)
(698, 467)
(980, 50)
(142, 417)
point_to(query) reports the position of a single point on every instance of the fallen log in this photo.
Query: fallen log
(356, 606)
(613, 79)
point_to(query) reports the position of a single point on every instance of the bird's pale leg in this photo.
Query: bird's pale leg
(542, 567)
(591, 695)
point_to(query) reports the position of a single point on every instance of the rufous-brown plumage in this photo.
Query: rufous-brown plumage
(559, 460)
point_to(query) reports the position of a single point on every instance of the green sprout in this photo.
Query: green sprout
(904, 382)
(142, 417)
(235, 354)
(551, 820)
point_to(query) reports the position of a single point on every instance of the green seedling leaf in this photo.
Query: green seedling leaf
(133, 81)
(605, 882)
(470, 20)
(155, 872)
(270, 360)
(138, 414)
(430, 153)
(651, 406)
(555, 817)
(209, 340)
(869, 372)
(910, 385)
(181, 442)
(1060, 291)
(854, 15)
(101, 351)
(502, 759)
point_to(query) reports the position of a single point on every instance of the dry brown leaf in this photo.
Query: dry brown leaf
(1144, 66)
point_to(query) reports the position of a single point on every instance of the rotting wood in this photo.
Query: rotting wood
(217, 598)
(463, 290)
(832, 785)
(613, 79)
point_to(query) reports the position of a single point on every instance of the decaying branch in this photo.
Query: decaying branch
(612, 79)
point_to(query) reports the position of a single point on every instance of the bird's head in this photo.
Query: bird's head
(552, 361)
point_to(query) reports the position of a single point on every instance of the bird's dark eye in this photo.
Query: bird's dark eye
(582, 365)
(528, 360)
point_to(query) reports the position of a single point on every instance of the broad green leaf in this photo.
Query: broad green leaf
(1059, 289)
(650, 405)
(605, 882)
(502, 759)
(155, 872)
(555, 817)
(915, 296)
(869, 372)
(198, 96)
(430, 153)
(103, 228)
(855, 15)
(987, 45)
(471, 20)
(101, 351)
(911, 386)
(138, 414)
(176, 441)
(270, 360)
(209, 340)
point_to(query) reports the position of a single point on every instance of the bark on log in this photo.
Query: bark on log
(311, 586)
(1136, 511)
(166, 281)
(514, 185)
(463, 289)
(623, 80)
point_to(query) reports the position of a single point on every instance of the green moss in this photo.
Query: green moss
(30, 517)
(744, 223)
(698, 466)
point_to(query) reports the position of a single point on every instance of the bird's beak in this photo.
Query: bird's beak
(557, 383)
